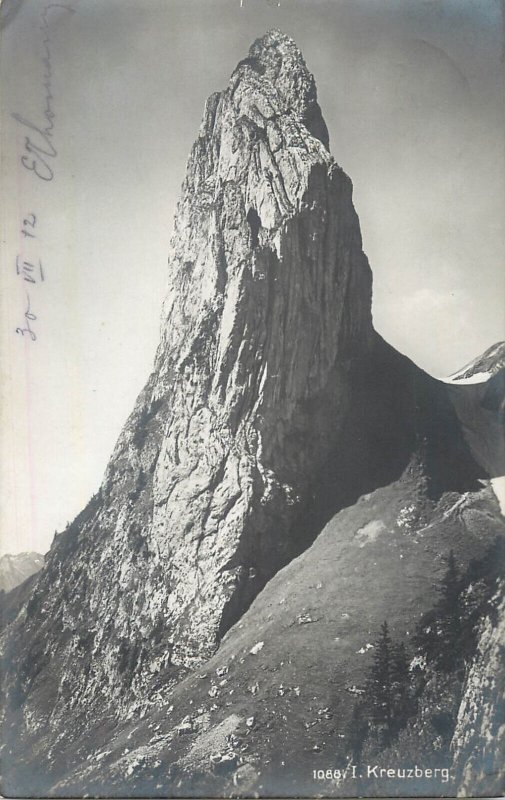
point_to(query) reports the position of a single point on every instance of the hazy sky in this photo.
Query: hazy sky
(412, 92)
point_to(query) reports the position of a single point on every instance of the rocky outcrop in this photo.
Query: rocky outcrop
(272, 404)
(479, 739)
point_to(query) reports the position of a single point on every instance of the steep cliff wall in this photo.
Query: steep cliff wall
(201, 503)
(479, 739)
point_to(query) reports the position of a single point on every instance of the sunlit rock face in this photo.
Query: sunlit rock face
(270, 292)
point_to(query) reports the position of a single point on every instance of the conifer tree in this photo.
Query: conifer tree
(449, 615)
(378, 687)
(388, 697)
(357, 731)
(402, 706)
(440, 632)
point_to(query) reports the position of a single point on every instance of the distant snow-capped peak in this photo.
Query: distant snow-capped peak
(481, 368)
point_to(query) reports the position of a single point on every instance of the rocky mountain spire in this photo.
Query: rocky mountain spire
(269, 290)
(206, 493)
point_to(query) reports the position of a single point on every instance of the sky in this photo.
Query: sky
(412, 93)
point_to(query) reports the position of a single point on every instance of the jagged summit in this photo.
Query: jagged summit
(275, 39)
(274, 50)
(278, 60)
(263, 134)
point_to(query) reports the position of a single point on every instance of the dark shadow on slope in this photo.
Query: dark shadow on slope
(399, 415)
(480, 409)
(11, 602)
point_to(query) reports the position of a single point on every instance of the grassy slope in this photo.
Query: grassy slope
(381, 558)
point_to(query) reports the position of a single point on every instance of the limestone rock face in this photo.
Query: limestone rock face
(270, 296)
(269, 292)
(479, 739)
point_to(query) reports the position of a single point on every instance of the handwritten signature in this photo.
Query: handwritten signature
(39, 147)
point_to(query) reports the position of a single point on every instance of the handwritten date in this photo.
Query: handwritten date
(31, 271)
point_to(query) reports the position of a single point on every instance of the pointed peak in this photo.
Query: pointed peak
(277, 52)
(276, 40)
(278, 60)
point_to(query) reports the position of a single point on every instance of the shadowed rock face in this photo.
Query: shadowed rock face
(478, 395)
(271, 405)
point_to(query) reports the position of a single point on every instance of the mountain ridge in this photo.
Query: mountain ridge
(16, 568)
(483, 367)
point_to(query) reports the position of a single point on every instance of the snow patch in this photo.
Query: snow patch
(498, 485)
(478, 377)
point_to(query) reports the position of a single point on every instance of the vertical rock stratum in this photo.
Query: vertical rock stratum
(272, 405)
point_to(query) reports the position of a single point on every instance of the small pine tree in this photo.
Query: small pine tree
(357, 731)
(378, 687)
(449, 616)
(402, 705)
(439, 633)
(388, 697)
